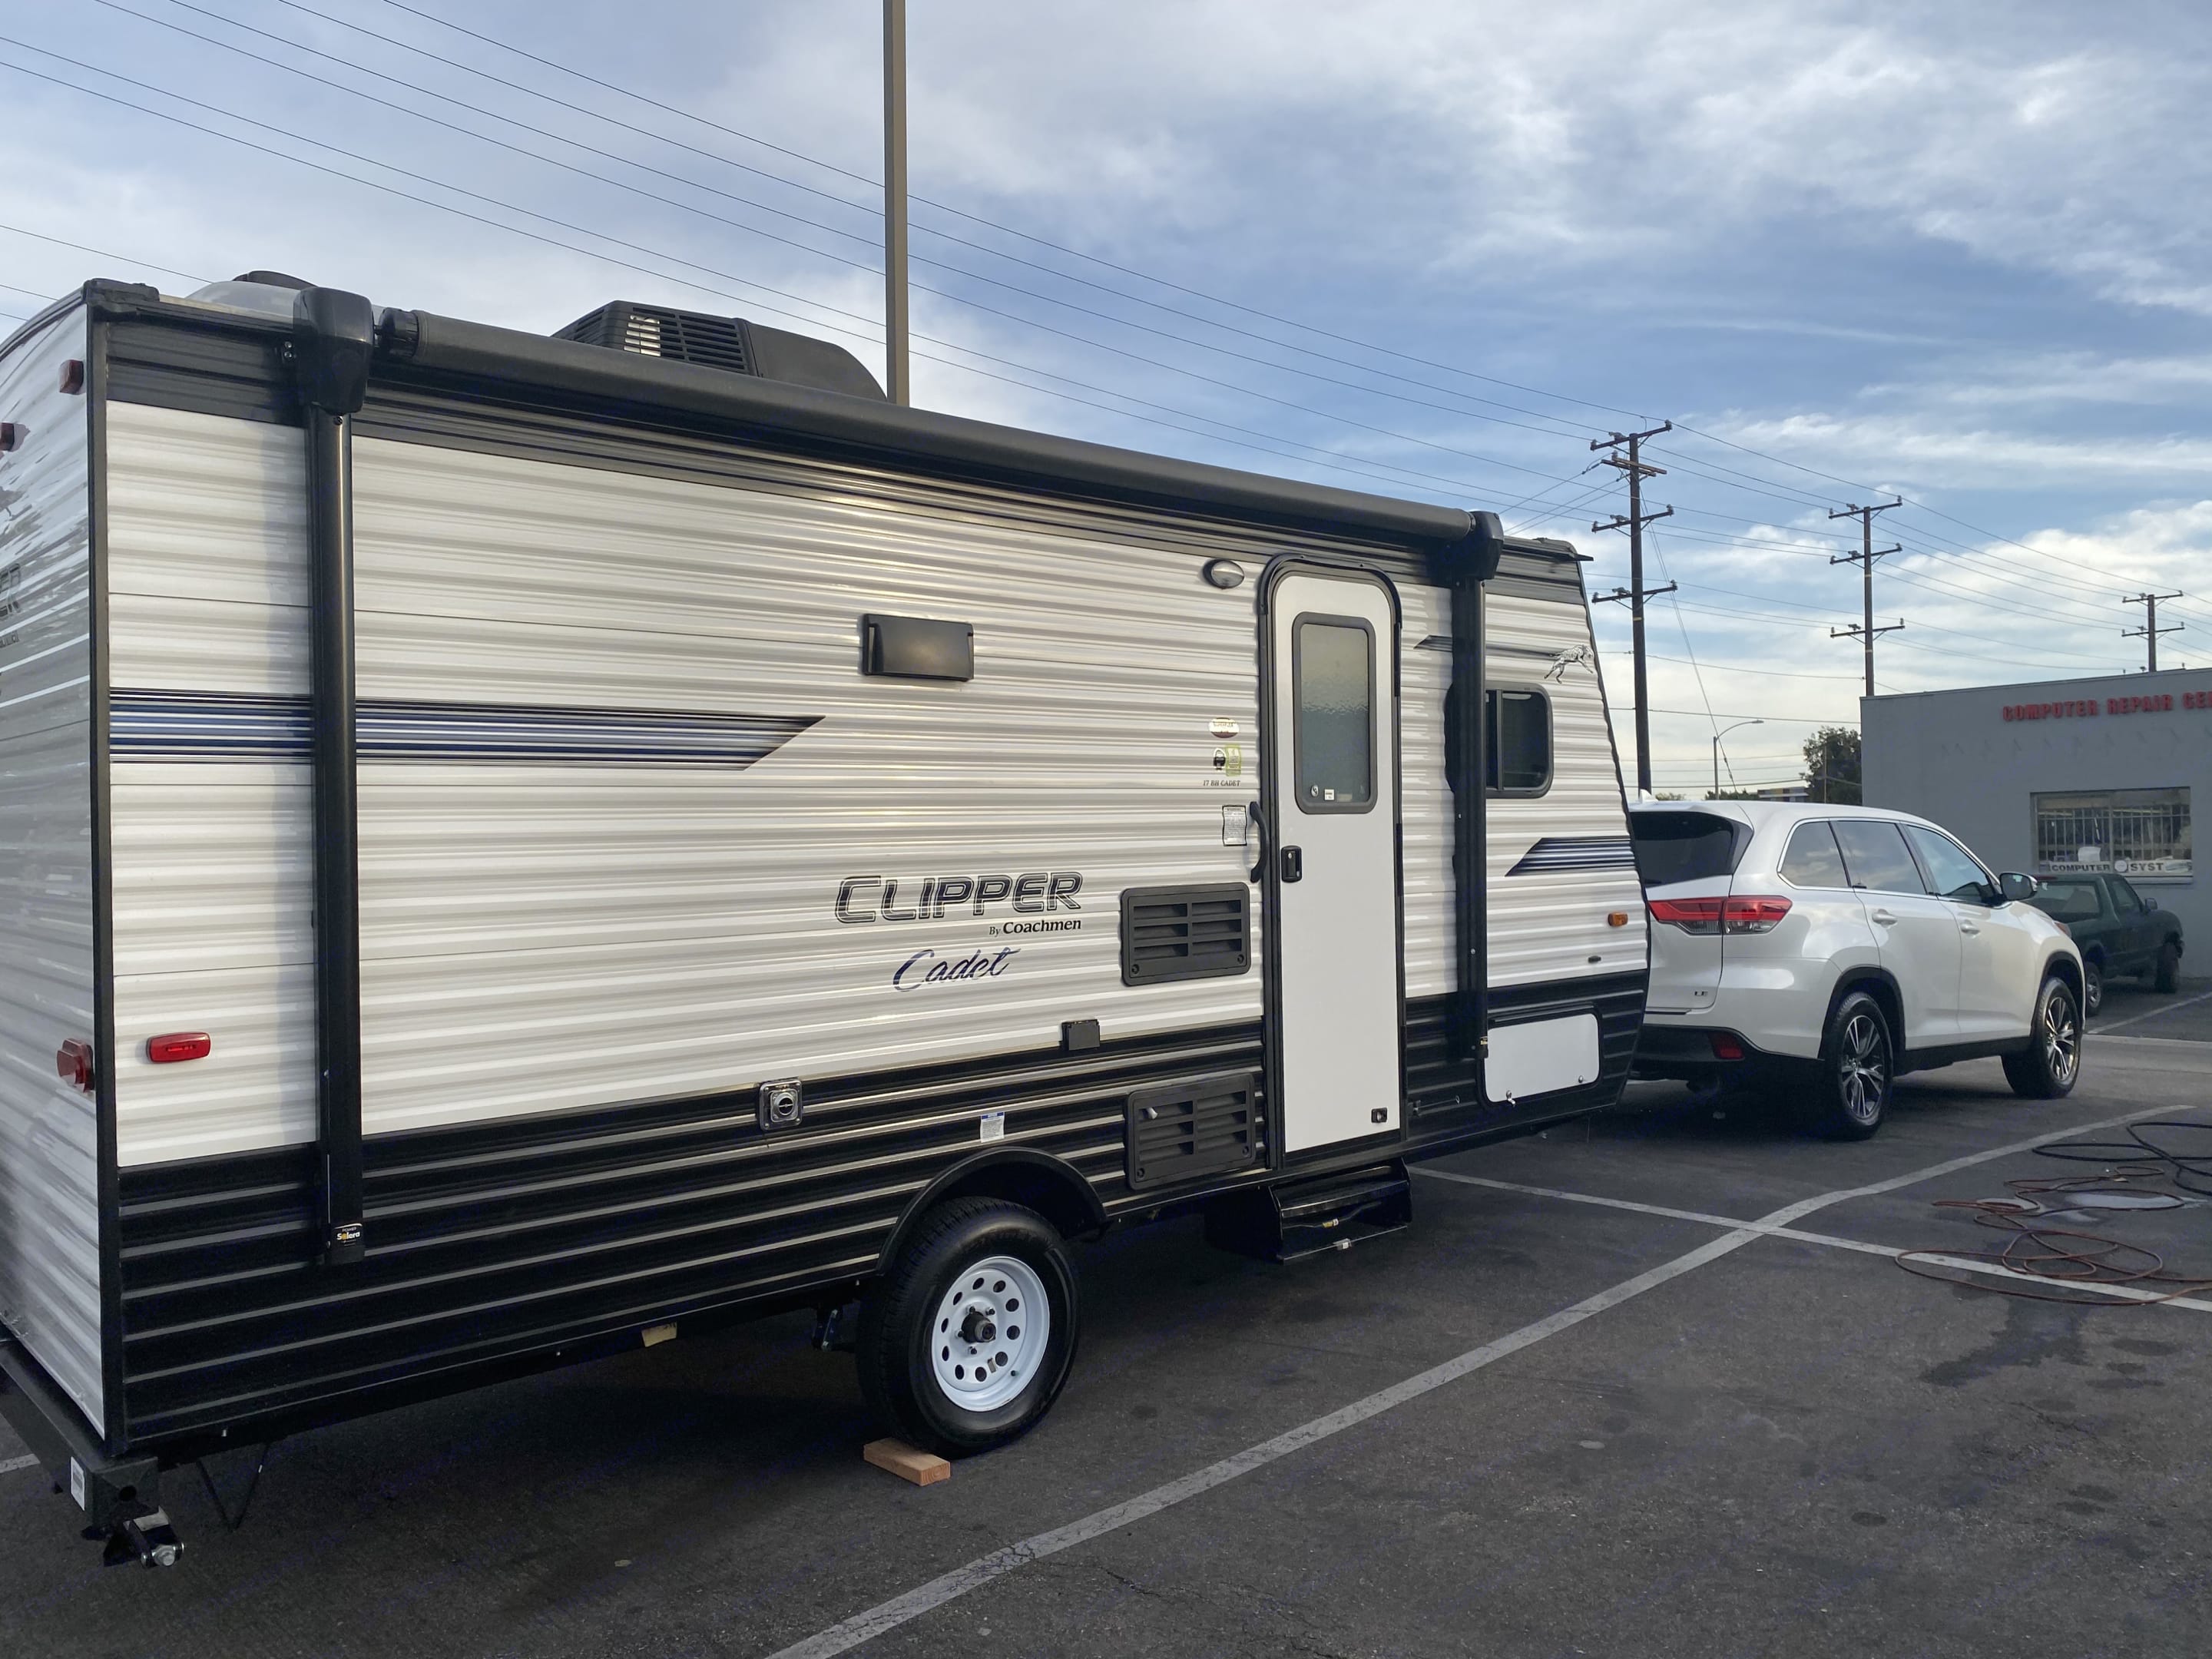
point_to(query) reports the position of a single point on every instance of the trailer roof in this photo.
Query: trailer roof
(481, 359)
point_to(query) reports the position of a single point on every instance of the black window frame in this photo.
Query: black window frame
(1327, 808)
(1493, 702)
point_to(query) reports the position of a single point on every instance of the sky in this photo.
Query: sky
(1431, 248)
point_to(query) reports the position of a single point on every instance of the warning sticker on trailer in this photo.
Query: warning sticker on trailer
(1228, 770)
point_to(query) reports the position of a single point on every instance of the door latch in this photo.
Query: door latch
(1294, 863)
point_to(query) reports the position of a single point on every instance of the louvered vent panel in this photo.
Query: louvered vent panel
(1185, 933)
(1208, 1127)
(687, 337)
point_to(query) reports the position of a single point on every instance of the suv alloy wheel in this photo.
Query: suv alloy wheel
(2049, 1066)
(1856, 1070)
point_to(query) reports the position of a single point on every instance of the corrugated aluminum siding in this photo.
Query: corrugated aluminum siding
(542, 937)
(49, 1138)
(1545, 927)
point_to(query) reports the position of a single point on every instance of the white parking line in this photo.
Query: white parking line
(2132, 1020)
(1957, 1263)
(849, 1634)
(10, 1465)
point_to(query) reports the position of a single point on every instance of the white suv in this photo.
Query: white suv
(1830, 948)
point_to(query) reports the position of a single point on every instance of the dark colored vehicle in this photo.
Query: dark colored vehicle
(2119, 931)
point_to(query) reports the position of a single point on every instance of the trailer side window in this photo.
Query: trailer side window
(1520, 748)
(1333, 673)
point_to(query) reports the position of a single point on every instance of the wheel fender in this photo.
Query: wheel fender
(2064, 967)
(1019, 1175)
(1882, 986)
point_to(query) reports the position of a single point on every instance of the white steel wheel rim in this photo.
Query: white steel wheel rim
(989, 1333)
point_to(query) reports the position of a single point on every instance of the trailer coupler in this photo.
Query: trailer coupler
(146, 1538)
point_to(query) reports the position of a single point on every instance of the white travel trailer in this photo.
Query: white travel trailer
(514, 847)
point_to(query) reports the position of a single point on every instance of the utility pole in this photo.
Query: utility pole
(2150, 630)
(1636, 471)
(895, 356)
(1866, 555)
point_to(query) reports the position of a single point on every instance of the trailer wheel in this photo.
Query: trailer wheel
(965, 1343)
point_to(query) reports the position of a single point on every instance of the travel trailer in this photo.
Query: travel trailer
(512, 847)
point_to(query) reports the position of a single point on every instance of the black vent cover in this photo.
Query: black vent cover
(1208, 1126)
(1185, 933)
(730, 343)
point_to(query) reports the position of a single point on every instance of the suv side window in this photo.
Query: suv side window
(1875, 855)
(2128, 897)
(1814, 859)
(1951, 871)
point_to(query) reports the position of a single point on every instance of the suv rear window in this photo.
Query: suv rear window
(1672, 847)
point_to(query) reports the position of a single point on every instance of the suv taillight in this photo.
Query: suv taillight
(1694, 915)
(1714, 915)
(1753, 915)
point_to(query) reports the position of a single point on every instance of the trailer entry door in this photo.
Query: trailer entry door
(1333, 784)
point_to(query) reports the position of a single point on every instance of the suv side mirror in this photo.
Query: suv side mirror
(2018, 888)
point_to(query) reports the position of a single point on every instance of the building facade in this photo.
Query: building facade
(2060, 776)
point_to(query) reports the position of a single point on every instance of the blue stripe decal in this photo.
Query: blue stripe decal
(1557, 853)
(210, 726)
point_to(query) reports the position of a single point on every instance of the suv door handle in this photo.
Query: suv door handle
(1885, 918)
(1965, 926)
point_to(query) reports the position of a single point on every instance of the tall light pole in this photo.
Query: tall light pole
(1717, 736)
(894, 370)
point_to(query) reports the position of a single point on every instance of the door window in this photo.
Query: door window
(1814, 859)
(1875, 857)
(2129, 899)
(1332, 671)
(1951, 872)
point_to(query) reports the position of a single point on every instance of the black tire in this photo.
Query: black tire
(2093, 989)
(1857, 1072)
(2050, 1064)
(899, 1373)
(2165, 974)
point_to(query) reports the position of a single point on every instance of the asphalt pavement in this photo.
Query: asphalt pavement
(1651, 1384)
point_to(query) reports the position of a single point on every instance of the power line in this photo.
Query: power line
(622, 242)
(1095, 260)
(824, 253)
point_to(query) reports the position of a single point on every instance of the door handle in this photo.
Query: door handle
(1968, 927)
(1294, 863)
(1885, 918)
(1259, 822)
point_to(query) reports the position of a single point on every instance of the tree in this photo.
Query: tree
(1831, 766)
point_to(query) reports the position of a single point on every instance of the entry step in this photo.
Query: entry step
(1293, 1219)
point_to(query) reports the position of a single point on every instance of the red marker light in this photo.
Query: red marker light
(178, 1045)
(73, 376)
(73, 1063)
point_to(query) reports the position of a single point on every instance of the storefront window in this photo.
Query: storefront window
(2140, 832)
